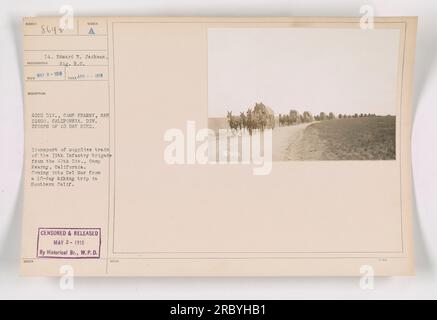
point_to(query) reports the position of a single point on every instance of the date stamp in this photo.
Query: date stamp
(69, 243)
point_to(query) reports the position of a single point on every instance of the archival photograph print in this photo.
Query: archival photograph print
(325, 94)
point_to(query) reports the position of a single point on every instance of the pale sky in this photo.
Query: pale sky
(339, 70)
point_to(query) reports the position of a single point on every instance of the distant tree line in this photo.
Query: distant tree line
(356, 115)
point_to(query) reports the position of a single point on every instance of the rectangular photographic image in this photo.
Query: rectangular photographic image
(325, 93)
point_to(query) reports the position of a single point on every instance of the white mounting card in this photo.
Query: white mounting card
(205, 146)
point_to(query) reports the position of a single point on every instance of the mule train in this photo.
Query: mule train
(260, 118)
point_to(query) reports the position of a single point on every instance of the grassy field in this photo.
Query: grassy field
(372, 138)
